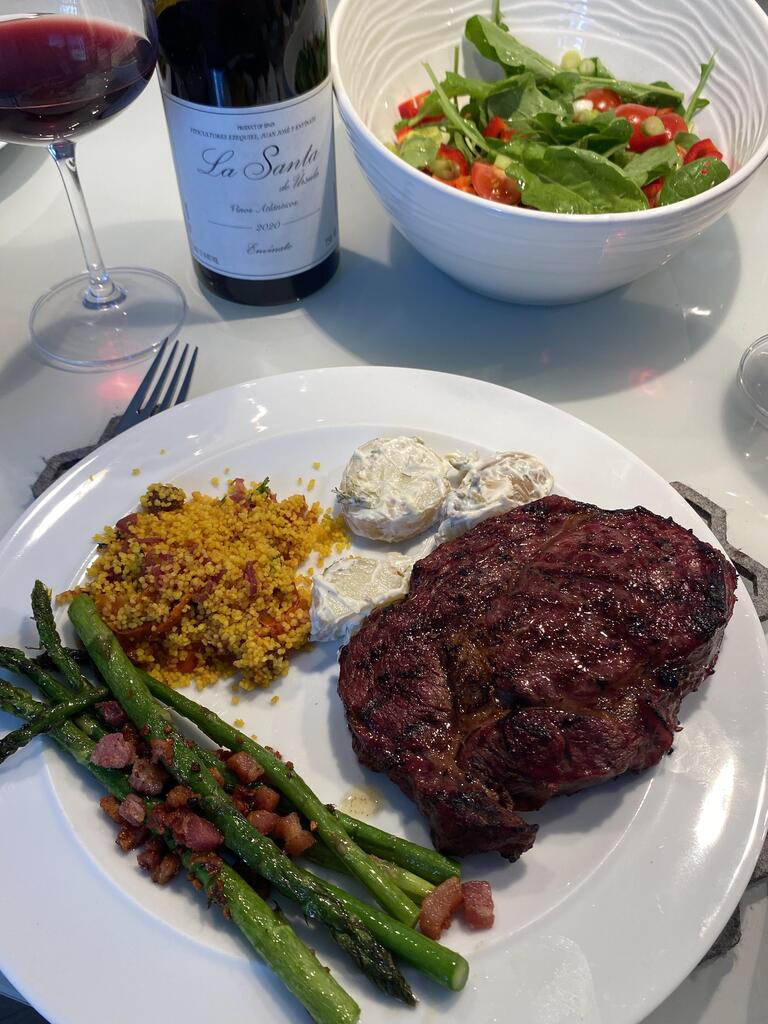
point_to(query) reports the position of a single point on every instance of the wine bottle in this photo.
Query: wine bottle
(247, 96)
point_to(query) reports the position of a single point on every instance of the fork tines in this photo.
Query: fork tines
(162, 397)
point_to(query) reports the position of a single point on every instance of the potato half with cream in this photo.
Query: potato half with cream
(393, 488)
(348, 589)
(492, 485)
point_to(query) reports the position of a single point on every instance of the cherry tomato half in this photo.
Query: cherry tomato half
(603, 99)
(463, 183)
(490, 182)
(670, 124)
(652, 190)
(497, 128)
(705, 147)
(637, 115)
(410, 108)
(674, 123)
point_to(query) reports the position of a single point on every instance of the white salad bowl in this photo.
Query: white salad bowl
(378, 51)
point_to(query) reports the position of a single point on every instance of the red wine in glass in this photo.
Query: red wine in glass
(61, 75)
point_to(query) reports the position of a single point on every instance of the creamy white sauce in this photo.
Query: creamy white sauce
(491, 485)
(351, 587)
(393, 488)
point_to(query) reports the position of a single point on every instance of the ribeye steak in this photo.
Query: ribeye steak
(546, 650)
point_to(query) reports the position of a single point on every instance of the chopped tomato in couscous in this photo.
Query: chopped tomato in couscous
(197, 588)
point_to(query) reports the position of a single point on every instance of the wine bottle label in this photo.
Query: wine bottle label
(258, 184)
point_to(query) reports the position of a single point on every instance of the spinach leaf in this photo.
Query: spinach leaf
(565, 132)
(543, 194)
(523, 99)
(567, 83)
(454, 85)
(418, 150)
(496, 43)
(605, 134)
(686, 139)
(611, 138)
(586, 180)
(652, 164)
(696, 103)
(692, 179)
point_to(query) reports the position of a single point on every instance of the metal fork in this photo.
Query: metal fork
(136, 412)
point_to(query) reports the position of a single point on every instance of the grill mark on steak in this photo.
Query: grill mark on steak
(546, 650)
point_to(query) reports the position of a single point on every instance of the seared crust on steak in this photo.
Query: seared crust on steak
(546, 650)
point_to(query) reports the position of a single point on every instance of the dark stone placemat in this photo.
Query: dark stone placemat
(57, 465)
(754, 574)
(729, 937)
(755, 577)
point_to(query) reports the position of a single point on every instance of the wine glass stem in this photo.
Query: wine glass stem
(102, 290)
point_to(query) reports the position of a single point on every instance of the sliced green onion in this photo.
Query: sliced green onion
(448, 170)
(582, 104)
(653, 125)
(571, 60)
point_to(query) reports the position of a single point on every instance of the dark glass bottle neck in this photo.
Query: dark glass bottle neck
(242, 53)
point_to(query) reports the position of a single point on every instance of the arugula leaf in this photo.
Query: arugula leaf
(418, 150)
(656, 94)
(496, 43)
(461, 124)
(652, 164)
(521, 97)
(692, 179)
(459, 142)
(586, 182)
(696, 103)
(601, 71)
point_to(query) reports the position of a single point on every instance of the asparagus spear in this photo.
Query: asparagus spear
(439, 962)
(47, 720)
(285, 778)
(421, 860)
(51, 641)
(413, 886)
(18, 662)
(254, 849)
(268, 933)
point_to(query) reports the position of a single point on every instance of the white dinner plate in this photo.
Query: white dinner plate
(628, 883)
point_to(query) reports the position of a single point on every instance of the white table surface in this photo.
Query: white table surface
(653, 365)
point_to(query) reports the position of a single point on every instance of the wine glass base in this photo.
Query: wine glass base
(753, 377)
(73, 336)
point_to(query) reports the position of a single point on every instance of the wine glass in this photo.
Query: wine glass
(753, 377)
(65, 67)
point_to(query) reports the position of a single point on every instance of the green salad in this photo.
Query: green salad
(567, 138)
